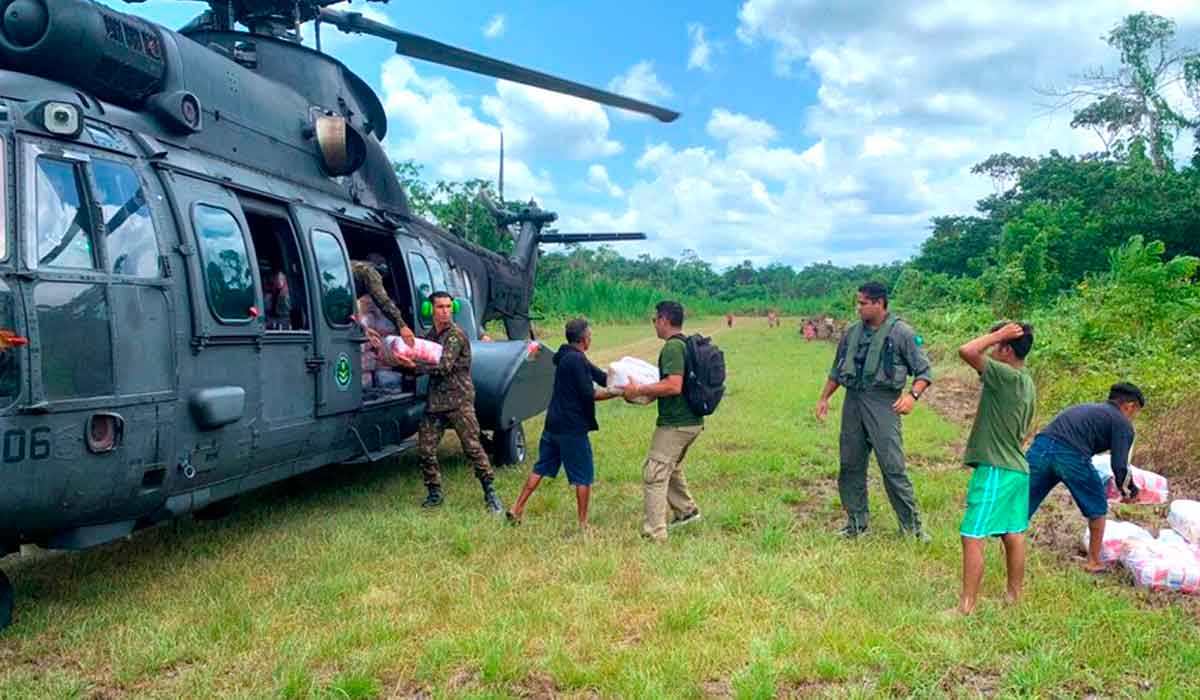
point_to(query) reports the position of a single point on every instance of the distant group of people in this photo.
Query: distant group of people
(881, 365)
(875, 361)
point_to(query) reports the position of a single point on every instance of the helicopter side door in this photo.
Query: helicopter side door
(337, 363)
(221, 376)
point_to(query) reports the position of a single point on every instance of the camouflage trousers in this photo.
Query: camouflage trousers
(466, 426)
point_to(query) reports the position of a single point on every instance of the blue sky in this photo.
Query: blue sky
(811, 131)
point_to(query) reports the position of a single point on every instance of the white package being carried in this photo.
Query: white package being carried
(1116, 533)
(1152, 488)
(631, 368)
(1161, 566)
(1184, 518)
(422, 350)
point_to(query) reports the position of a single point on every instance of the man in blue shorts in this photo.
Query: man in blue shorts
(1063, 452)
(571, 416)
(998, 494)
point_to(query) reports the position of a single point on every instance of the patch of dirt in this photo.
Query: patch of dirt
(953, 398)
(966, 680)
(537, 686)
(462, 679)
(409, 690)
(717, 688)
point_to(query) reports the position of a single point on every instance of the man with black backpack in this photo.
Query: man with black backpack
(682, 406)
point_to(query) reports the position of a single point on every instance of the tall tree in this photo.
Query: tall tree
(1131, 105)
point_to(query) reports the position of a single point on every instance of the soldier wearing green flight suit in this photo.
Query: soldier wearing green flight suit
(874, 361)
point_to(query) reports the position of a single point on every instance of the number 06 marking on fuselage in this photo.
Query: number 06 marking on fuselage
(19, 444)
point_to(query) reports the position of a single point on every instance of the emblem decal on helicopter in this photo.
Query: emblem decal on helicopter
(342, 372)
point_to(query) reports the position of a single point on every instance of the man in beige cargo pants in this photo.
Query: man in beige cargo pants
(678, 427)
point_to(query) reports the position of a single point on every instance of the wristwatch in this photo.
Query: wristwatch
(916, 396)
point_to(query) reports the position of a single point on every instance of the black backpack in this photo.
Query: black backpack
(704, 374)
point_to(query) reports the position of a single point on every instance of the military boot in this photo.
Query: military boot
(491, 499)
(434, 499)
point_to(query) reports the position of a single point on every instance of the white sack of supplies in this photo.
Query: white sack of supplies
(422, 350)
(1161, 566)
(627, 368)
(1184, 517)
(1116, 532)
(1152, 488)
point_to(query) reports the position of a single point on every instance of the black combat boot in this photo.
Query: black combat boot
(490, 499)
(434, 499)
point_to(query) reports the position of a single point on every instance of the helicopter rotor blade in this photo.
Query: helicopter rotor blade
(589, 237)
(416, 46)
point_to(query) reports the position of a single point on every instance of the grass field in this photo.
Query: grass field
(337, 585)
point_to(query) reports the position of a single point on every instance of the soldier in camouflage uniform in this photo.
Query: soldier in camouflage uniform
(367, 280)
(450, 404)
(874, 360)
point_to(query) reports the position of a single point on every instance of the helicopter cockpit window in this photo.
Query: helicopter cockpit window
(64, 223)
(466, 280)
(422, 279)
(228, 279)
(337, 296)
(439, 275)
(10, 359)
(130, 243)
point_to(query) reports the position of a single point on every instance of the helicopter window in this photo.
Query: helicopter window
(422, 279)
(131, 246)
(284, 299)
(228, 279)
(3, 202)
(336, 294)
(64, 223)
(77, 357)
(10, 359)
(439, 275)
(467, 286)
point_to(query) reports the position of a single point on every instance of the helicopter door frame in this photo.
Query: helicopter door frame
(337, 362)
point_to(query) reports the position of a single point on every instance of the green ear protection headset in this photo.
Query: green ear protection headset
(427, 307)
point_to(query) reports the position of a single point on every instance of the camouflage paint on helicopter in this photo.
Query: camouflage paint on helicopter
(178, 217)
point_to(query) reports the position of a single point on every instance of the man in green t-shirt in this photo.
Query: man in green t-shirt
(998, 494)
(663, 482)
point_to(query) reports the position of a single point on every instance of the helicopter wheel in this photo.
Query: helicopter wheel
(509, 446)
(6, 601)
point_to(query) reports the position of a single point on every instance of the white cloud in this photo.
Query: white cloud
(542, 123)
(640, 82)
(700, 51)
(599, 181)
(495, 27)
(724, 125)
(429, 123)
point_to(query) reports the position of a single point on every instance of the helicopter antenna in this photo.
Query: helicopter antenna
(501, 167)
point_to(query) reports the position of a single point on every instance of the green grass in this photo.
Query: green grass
(337, 585)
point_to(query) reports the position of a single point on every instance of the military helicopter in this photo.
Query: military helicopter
(162, 191)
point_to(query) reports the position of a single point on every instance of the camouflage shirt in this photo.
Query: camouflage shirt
(368, 280)
(450, 385)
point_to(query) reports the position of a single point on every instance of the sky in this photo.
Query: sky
(811, 131)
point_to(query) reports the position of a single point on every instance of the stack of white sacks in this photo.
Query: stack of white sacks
(1170, 562)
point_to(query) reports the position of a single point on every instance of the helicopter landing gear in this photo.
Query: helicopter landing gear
(508, 446)
(6, 602)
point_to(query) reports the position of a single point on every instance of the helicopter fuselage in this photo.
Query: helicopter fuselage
(148, 368)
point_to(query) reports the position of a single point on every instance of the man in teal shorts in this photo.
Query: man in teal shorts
(998, 495)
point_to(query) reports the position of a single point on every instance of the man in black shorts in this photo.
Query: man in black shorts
(572, 415)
